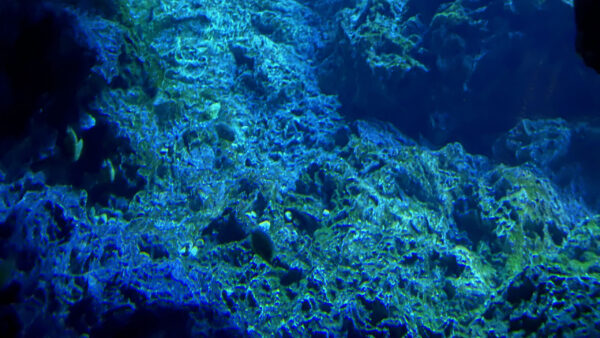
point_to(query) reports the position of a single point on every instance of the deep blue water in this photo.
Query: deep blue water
(289, 168)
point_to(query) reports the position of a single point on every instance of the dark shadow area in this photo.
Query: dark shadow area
(46, 86)
(587, 15)
(43, 66)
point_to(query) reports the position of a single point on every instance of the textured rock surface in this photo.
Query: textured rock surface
(219, 193)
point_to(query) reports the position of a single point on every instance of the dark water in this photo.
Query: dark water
(372, 168)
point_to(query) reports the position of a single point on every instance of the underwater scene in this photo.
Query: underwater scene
(299, 168)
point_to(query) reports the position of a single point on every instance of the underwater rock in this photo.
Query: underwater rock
(218, 191)
(541, 142)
